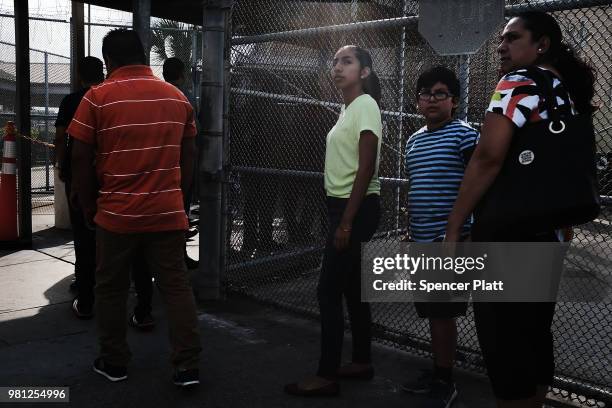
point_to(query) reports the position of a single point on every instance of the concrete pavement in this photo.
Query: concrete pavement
(250, 350)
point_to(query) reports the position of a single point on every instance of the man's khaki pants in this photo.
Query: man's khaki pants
(163, 252)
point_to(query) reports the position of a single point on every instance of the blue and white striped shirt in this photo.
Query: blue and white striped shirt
(435, 163)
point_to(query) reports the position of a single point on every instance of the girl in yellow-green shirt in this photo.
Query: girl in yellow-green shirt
(353, 203)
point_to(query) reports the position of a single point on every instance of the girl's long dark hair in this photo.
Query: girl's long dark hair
(371, 84)
(578, 76)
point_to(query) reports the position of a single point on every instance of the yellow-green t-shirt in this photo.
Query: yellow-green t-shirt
(342, 151)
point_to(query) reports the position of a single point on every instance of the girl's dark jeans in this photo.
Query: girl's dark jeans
(341, 275)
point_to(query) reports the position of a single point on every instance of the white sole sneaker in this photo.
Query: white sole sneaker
(186, 383)
(107, 375)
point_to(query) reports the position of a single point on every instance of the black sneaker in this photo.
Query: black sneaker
(422, 385)
(442, 394)
(81, 311)
(186, 378)
(145, 323)
(111, 372)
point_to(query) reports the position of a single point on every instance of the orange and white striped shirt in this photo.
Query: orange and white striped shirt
(137, 123)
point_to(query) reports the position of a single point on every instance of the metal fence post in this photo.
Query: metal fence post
(22, 109)
(464, 81)
(46, 120)
(141, 20)
(77, 43)
(400, 130)
(194, 62)
(208, 280)
(88, 29)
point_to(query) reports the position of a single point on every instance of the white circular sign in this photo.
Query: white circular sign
(526, 157)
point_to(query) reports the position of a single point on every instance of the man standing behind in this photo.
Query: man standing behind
(91, 72)
(140, 130)
(174, 73)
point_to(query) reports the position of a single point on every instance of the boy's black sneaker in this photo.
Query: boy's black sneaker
(80, 310)
(186, 378)
(111, 372)
(145, 323)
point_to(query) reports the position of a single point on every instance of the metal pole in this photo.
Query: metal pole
(354, 10)
(208, 280)
(264, 171)
(464, 81)
(402, 72)
(37, 50)
(226, 219)
(77, 51)
(309, 33)
(194, 41)
(141, 20)
(22, 108)
(332, 106)
(554, 5)
(88, 29)
(46, 121)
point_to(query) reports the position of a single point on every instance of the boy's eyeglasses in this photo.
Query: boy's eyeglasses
(438, 96)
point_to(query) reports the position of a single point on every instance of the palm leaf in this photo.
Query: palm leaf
(168, 34)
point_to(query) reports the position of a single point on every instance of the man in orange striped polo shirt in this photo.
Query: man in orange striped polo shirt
(139, 131)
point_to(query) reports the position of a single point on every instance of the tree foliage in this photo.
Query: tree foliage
(174, 39)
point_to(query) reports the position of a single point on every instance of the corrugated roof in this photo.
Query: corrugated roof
(191, 11)
(59, 73)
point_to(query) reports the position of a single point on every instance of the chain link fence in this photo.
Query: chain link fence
(49, 82)
(283, 103)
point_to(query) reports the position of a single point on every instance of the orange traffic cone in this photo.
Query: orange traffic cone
(8, 186)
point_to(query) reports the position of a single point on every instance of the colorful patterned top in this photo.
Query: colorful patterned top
(520, 99)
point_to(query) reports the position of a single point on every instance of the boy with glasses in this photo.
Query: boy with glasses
(436, 158)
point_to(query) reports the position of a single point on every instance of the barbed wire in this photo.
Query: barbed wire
(35, 141)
